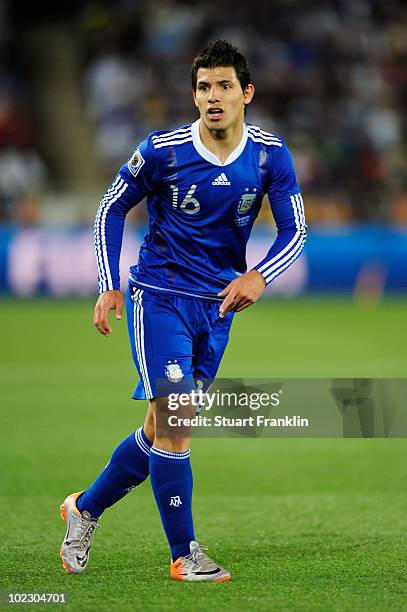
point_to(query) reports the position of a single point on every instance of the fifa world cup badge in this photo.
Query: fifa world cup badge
(135, 162)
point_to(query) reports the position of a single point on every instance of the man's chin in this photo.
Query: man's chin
(218, 126)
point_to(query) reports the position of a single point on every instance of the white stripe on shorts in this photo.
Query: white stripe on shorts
(138, 324)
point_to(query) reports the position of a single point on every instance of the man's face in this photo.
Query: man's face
(220, 98)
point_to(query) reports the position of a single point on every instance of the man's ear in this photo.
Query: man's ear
(248, 93)
(194, 97)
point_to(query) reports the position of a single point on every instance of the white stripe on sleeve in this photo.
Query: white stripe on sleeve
(107, 283)
(110, 193)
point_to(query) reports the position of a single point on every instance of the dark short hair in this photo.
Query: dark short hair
(221, 53)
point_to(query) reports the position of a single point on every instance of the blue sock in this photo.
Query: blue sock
(128, 467)
(171, 480)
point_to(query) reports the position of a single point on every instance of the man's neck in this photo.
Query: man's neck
(221, 142)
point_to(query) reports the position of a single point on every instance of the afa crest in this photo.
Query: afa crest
(246, 202)
(173, 372)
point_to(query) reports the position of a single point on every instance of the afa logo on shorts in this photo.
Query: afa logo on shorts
(136, 162)
(173, 371)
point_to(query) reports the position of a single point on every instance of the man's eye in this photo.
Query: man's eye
(226, 86)
(203, 87)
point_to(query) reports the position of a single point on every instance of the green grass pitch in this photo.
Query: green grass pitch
(302, 524)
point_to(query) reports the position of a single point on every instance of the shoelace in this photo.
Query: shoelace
(86, 536)
(198, 557)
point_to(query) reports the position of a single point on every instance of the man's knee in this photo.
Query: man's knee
(149, 422)
(173, 429)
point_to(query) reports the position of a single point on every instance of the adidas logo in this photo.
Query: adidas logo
(222, 179)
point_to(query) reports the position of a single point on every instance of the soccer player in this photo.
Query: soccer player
(204, 185)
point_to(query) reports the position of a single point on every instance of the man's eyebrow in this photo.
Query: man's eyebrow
(222, 82)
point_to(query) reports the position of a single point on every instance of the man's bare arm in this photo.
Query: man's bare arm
(109, 300)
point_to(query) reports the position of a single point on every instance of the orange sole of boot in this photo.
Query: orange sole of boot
(63, 517)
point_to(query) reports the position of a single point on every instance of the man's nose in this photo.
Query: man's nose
(213, 95)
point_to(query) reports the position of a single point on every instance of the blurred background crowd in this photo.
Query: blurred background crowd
(80, 87)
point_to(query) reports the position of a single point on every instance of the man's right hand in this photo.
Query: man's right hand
(109, 300)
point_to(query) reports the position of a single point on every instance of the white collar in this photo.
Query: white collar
(210, 157)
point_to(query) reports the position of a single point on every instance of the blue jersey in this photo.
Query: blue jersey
(201, 212)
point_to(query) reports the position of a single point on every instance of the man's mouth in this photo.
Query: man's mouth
(215, 113)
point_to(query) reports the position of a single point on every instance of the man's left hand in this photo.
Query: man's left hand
(242, 292)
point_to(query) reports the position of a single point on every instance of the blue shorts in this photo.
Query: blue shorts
(175, 339)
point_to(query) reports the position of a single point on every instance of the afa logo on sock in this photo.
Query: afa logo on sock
(175, 501)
